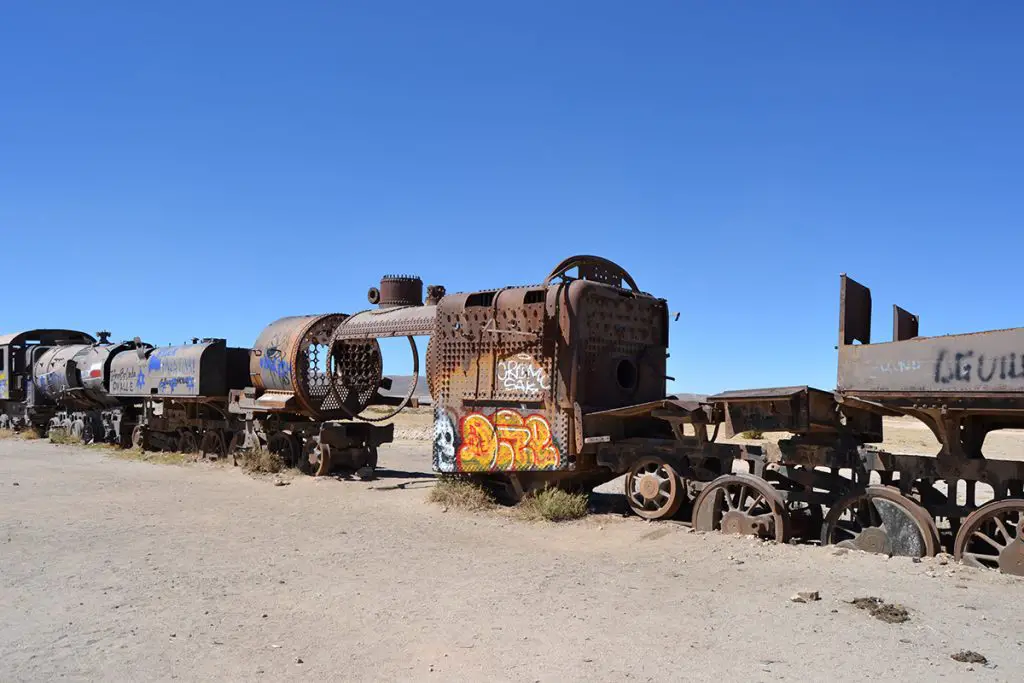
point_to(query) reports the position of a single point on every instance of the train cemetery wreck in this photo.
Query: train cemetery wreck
(563, 384)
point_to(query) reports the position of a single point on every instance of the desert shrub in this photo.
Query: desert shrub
(459, 493)
(261, 460)
(554, 505)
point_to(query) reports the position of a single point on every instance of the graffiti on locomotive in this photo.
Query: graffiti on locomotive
(504, 440)
(523, 374)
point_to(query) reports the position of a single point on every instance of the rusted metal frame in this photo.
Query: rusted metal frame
(622, 454)
(494, 341)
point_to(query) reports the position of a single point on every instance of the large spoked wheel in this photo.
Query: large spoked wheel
(212, 446)
(742, 504)
(654, 489)
(992, 537)
(880, 519)
(285, 445)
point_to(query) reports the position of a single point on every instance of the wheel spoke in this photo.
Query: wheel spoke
(850, 532)
(989, 540)
(759, 498)
(1002, 529)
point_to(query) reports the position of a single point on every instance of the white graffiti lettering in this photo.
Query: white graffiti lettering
(523, 374)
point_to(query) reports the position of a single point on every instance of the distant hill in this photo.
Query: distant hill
(400, 386)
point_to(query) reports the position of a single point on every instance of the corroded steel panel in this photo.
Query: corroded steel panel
(979, 362)
(407, 321)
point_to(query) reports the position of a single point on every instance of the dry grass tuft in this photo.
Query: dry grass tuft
(261, 460)
(103, 446)
(554, 505)
(155, 457)
(30, 434)
(8, 434)
(752, 434)
(458, 493)
(60, 436)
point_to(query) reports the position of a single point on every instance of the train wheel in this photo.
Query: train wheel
(78, 430)
(187, 442)
(285, 445)
(212, 446)
(742, 504)
(139, 438)
(235, 447)
(992, 537)
(654, 490)
(880, 519)
(315, 460)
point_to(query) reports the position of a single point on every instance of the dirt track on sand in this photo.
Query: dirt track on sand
(120, 570)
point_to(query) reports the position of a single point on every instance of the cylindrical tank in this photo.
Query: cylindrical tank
(78, 376)
(291, 355)
(207, 368)
(53, 374)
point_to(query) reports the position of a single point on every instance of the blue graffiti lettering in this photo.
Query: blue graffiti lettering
(155, 357)
(169, 384)
(278, 367)
(140, 380)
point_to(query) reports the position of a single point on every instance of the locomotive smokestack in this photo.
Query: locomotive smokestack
(397, 290)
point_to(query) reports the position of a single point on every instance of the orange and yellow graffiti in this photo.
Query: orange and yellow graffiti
(506, 441)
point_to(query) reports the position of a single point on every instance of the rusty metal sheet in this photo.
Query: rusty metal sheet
(276, 401)
(648, 408)
(854, 312)
(406, 321)
(904, 324)
(755, 394)
(982, 362)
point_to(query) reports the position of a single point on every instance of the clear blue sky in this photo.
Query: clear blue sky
(178, 169)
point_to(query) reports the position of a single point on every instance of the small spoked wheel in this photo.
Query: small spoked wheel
(654, 490)
(286, 445)
(235, 447)
(212, 446)
(880, 519)
(742, 504)
(187, 442)
(139, 438)
(992, 537)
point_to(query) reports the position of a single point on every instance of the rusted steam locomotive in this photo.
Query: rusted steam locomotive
(300, 391)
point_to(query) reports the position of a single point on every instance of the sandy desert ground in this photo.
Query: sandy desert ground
(119, 570)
